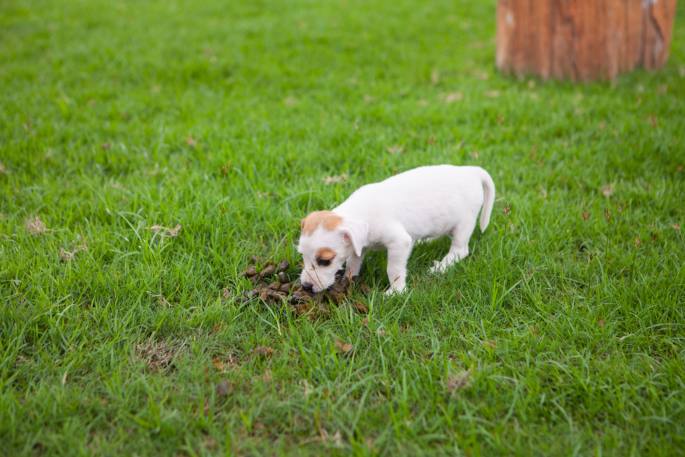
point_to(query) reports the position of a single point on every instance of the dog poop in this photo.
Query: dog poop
(276, 284)
(250, 271)
(267, 270)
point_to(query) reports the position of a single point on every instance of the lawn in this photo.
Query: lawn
(563, 333)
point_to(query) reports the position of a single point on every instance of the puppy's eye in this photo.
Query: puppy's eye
(323, 262)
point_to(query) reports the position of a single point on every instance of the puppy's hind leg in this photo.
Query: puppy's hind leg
(459, 249)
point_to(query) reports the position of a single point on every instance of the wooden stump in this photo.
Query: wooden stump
(582, 40)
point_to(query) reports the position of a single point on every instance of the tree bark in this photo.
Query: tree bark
(582, 40)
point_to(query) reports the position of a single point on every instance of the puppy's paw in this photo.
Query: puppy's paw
(394, 291)
(438, 267)
(350, 277)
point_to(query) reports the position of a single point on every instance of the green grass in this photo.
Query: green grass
(563, 332)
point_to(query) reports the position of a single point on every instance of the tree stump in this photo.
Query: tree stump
(582, 40)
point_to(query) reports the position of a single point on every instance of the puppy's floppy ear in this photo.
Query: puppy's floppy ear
(356, 233)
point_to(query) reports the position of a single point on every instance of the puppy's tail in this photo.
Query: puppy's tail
(488, 199)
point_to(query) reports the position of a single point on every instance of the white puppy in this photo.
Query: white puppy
(426, 202)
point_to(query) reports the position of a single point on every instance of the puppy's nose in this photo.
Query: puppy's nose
(307, 286)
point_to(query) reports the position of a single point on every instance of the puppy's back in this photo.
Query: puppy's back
(428, 201)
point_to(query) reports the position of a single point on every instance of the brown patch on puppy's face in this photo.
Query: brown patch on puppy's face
(325, 254)
(327, 219)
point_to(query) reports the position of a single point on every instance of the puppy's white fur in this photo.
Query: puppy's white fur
(423, 203)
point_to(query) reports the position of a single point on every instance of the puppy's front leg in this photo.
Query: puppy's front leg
(399, 249)
(354, 264)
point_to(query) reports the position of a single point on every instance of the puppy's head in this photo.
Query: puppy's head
(327, 240)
